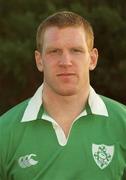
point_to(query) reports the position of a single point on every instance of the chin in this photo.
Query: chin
(66, 92)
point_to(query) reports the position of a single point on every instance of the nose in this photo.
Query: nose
(65, 59)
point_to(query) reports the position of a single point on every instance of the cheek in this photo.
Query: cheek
(49, 61)
(46, 63)
(83, 71)
(83, 66)
(48, 69)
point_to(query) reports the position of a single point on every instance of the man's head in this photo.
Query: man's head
(65, 53)
(64, 19)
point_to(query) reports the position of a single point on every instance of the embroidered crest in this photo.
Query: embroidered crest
(102, 154)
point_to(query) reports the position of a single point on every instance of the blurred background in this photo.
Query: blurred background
(19, 20)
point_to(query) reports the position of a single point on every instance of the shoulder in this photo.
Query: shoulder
(113, 104)
(10, 123)
(114, 108)
(116, 120)
(14, 114)
(11, 129)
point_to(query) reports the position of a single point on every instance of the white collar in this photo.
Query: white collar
(95, 102)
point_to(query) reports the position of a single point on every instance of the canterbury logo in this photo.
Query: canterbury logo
(27, 161)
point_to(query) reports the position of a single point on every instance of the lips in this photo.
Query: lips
(66, 77)
(66, 74)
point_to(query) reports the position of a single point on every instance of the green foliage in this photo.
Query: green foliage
(110, 32)
(18, 23)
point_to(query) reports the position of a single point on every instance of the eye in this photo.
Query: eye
(55, 51)
(75, 50)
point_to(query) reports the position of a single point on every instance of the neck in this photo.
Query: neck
(56, 102)
(64, 109)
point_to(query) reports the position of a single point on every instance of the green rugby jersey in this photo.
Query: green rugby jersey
(34, 147)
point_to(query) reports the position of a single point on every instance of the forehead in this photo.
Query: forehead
(66, 34)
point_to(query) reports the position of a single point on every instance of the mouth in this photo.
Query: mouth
(67, 77)
(66, 74)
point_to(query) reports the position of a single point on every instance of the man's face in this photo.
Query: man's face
(66, 60)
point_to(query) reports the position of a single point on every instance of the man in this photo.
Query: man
(65, 131)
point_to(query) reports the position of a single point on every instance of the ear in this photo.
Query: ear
(38, 59)
(93, 59)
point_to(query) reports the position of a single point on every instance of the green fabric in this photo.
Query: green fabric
(75, 160)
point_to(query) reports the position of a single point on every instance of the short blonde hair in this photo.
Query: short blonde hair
(64, 19)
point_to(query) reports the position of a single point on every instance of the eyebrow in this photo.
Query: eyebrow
(54, 47)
